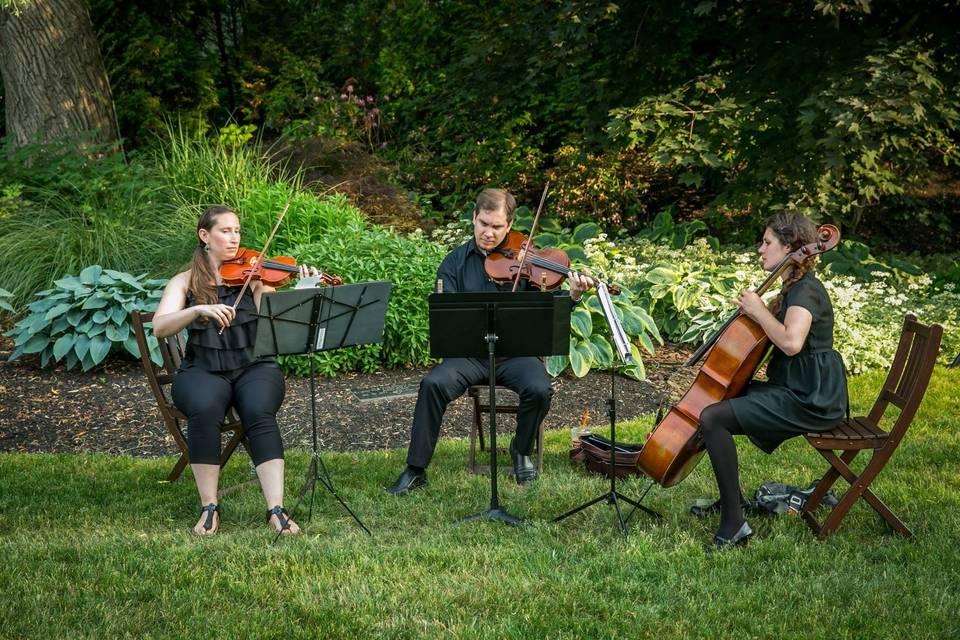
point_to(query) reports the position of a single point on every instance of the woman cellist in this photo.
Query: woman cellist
(806, 387)
(219, 369)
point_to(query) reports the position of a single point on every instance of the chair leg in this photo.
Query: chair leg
(826, 482)
(540, 449)
(238, 437)
(895, 523)
(472, 458)
(859, 488)
(178, 468)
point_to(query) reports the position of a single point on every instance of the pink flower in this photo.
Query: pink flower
(369, 99)
(374, 111)
(386, 98)
(316, 98)
(349, 88)
(343, 96)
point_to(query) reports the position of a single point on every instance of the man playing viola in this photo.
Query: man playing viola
(463, 271)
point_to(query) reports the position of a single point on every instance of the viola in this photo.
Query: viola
(273, 272)
(546, 268)
(735, 352)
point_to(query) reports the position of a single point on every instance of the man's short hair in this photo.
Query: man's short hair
(494, 200)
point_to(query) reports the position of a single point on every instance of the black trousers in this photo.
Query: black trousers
(450, 379)
(204, 396)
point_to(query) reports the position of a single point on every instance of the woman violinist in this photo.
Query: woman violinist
(219, 369)
(806, 388)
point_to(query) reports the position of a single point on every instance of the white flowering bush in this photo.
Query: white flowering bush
(689, 292)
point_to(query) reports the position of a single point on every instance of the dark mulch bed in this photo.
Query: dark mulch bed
(111, 409)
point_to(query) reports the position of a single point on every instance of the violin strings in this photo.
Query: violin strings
(279, 266)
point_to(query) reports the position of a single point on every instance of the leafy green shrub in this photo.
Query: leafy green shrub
(677, 235)
(605, 187)
(202, 172)
(83, 318)
(590, 337)
(358, 253)
(689, 293)
(62, 209)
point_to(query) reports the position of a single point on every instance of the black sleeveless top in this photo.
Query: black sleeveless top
(233, 350)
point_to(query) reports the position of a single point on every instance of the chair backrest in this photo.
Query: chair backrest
(171, 352)
(909, 374)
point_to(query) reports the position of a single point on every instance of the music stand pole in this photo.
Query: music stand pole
(316, 464)
(613, 496)
(495, 512)
(352, 314)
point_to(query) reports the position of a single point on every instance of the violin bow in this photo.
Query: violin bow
(257, 267)
(533, 227)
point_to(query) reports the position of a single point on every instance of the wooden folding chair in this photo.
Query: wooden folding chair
(904, 388)
(160, 379)
(480, 396)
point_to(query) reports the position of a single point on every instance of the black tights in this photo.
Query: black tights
(718, 424)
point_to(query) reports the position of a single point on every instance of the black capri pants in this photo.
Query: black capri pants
(256, 391)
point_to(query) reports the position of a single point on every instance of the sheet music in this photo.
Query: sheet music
(620, 340)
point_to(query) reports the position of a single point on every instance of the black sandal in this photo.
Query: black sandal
(283, 517)
(210, 509)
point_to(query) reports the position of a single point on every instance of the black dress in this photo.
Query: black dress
(805, 392)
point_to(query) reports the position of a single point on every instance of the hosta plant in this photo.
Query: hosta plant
(591, 343)
(83, 318)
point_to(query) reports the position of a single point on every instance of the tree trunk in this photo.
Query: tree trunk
(53, 74)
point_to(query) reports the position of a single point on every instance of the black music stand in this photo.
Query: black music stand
(492, 325)
(306, 321)
(613, 496)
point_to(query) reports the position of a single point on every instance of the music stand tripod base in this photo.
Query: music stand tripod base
(613, 496)
(307, 321)
(491, 325)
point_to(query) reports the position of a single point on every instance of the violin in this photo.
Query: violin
(273, 272)
(546, 268)
(735, 352)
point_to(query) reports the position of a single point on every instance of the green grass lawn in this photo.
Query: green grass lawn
(95, 546)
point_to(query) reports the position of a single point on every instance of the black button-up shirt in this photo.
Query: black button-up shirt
(462, 271)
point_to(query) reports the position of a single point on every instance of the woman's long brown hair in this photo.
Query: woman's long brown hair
(203, 281)
(792, 230)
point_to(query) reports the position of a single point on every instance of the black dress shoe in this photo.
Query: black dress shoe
(740, 538)
(524, 471)
(408, 481)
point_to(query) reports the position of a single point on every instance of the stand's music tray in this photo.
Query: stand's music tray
(306, 321)
(309, 320)
(492, 325)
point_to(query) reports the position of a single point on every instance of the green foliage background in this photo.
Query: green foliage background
(846, 109)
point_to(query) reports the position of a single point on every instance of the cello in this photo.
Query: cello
(734, 352)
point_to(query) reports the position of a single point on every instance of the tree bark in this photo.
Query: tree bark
(53, 75)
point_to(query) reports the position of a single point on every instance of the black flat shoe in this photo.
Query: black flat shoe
(739, 539)
(408, 481)
(524, 471)
(703, 508)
